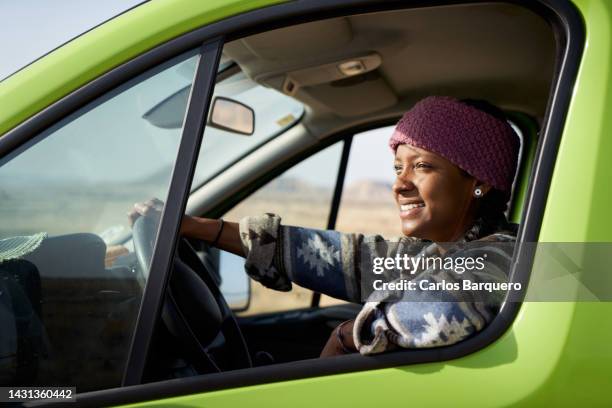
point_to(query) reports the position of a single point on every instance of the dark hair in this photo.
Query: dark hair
(490, 216)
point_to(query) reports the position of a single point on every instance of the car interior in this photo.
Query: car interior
(362, 71)
(351, 73)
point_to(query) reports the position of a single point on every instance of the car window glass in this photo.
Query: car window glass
(302, 196)
(274, 113)
(71, 283)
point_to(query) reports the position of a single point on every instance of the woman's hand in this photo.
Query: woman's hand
(205, 229)
(152, 207)
(340, 341)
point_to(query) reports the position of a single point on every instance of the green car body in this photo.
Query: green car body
(555, 353)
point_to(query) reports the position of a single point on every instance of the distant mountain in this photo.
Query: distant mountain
(368, 190)
(359, 191)
(290, 185)
(295, 187)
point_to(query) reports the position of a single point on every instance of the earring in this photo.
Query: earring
(477, 192)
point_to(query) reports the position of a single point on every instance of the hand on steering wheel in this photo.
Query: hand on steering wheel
(151, 208)
(144, 220)
(195, 310)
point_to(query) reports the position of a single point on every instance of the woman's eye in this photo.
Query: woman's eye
(421, 165)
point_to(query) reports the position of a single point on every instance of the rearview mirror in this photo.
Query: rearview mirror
(226, 114)
(233, 116)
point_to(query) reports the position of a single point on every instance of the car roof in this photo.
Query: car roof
(499, 52)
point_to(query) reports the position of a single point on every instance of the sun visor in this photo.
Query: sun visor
(346, 97)
(327, 73)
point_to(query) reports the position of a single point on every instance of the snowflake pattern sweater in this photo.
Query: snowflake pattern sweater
(330, 262)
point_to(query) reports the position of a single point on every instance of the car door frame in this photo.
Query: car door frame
(567, 23)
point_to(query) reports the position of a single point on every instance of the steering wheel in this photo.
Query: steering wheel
(194, 309)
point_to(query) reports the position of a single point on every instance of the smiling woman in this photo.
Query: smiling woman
(446, 154)
(448, 194)
(430, 211)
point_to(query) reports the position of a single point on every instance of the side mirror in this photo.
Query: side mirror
(235, 283)
(233, 116)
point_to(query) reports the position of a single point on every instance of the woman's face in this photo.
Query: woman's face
(434, 197)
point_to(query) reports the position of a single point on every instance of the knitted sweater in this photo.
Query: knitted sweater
(339, 265)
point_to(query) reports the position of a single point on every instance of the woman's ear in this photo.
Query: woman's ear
(480, 189)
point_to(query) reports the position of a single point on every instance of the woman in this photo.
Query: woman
(455, 163)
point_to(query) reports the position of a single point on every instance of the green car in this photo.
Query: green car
(228, 108)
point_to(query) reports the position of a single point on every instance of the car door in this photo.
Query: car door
(356, 388)
(73, 281)
(484, 362)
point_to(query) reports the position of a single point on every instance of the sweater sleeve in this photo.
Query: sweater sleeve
(325, 261)
(277, 255)
(331, 262)
(424, 318)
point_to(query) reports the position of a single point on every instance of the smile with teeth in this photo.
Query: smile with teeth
(408, 207)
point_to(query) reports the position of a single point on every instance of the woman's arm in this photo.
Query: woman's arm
(340, 341)
(324, 261)
(206, 229)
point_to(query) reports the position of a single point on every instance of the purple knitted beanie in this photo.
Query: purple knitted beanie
(473, 140)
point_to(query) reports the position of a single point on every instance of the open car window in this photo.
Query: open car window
(350, 74)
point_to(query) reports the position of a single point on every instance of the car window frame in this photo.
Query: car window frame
(566, 69)
(315, 300)
(567, 23)
(180, 184)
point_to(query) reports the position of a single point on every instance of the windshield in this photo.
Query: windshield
(36, 27)
(111, 157)
(155, 108)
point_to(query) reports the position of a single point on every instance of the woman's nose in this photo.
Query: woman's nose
(402, 183)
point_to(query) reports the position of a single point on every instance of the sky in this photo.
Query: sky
(31, 28)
